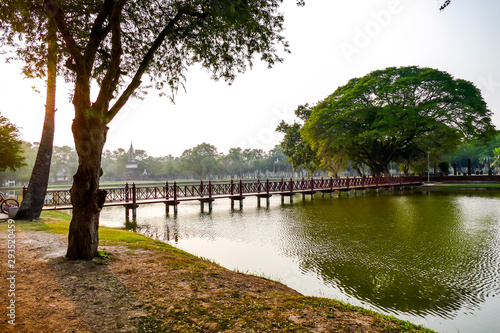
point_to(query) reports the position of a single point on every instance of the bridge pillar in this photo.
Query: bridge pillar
(240, 199)
(267, 201)
(167, 208)
(134, 212)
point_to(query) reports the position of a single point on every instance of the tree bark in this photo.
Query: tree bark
(32, 203)
(86, 197)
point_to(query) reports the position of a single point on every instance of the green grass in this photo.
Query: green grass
(459, 187)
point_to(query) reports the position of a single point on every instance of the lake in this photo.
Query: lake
(429, 257)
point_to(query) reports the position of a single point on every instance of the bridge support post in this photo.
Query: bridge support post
(240, 199)
(134, 202)
(202, 205)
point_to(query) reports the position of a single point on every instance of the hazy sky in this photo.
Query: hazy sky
(332, 41)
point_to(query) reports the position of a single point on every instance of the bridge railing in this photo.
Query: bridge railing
(133, 194)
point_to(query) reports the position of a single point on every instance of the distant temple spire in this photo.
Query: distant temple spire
(131, 158)
(131, 168)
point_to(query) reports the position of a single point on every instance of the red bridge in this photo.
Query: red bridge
(206, 192)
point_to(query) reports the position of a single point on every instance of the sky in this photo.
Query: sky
(331, 41)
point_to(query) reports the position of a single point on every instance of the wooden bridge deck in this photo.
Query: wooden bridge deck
(172, 195)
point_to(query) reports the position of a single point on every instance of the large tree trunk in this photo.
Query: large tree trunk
(32, 203)
(86, 197)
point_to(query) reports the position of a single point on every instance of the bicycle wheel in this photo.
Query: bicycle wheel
(8, 203)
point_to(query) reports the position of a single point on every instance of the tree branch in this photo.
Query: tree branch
(136, 80)
(97, 34)
(53, 10)
(112, 74)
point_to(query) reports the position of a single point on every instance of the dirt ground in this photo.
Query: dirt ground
(137, 290)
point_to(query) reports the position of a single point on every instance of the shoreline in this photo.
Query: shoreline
(171, 290)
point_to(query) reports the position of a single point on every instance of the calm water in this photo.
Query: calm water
(432, 258)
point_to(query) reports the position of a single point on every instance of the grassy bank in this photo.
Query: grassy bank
(182, 293)
(462, 187)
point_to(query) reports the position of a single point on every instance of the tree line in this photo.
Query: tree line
(203, 161)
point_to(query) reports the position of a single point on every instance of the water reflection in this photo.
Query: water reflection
(407, 254)
(432, 258)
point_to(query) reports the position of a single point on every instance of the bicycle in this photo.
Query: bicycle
(6, 203)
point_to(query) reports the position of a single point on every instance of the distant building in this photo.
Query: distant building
(132, 167)
(62, 176)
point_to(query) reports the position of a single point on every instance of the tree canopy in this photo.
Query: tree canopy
(395, 113)
(114, 43)
(11, 146)
(295, 147)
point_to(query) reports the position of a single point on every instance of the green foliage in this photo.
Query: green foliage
(11, 146)
(22, 175)
(482, 154)
(200, 160)
(223, 36)
(397, 113)
(444, 167)
(103, 254)
(295, 147)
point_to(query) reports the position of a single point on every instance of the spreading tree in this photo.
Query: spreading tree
(392, 114)
(114, 43)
